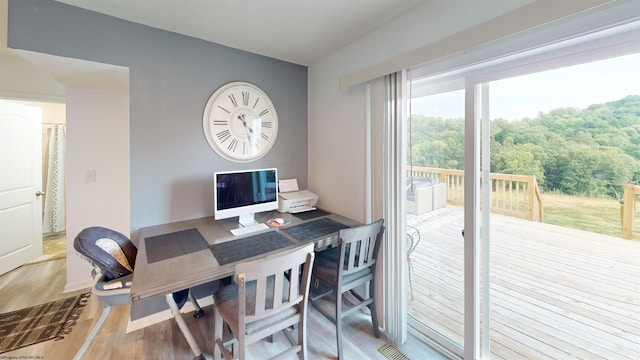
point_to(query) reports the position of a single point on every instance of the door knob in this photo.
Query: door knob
(39, 193)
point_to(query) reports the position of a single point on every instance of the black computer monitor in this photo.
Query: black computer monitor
(243, 193)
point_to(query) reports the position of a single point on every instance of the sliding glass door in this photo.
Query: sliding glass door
(563, 282)
(435, 215)
(541, 270)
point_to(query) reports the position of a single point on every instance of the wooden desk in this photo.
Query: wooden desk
(164, 277)
(187, 271)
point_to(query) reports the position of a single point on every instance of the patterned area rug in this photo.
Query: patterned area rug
(40, 323)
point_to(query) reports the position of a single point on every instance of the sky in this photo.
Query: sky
(525, 96)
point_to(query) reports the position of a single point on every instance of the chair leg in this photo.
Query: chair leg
(339, 323)
(184, 328)
(241, 348)
(410, 283)
(105, 313)
(302, 339)
(217, 333)
(374, 312)
(199, 312)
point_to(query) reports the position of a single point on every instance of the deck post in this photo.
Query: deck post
(531, 184)
(628, 208)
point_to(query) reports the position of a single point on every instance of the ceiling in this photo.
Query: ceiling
(32, 75)
(297, 31)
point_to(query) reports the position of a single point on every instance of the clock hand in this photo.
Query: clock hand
(249, 130)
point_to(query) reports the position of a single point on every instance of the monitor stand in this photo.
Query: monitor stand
(247, 220)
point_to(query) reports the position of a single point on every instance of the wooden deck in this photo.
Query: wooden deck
(556, 293)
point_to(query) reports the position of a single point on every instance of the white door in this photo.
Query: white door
(20, 184)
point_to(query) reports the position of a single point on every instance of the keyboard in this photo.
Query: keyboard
(249, 229)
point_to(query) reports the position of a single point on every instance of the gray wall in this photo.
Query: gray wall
(171, 78)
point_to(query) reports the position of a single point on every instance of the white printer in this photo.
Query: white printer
(292, 199)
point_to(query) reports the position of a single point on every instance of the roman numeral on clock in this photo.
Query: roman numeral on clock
(264, 136)
(220, 122)
(267, 124)
(264, 112)
(233, 100)
(223, 135)
(245, 98)
(232, 146)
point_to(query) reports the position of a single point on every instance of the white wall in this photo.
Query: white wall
(97, 139)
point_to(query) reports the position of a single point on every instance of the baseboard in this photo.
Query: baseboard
(78, 286)
(165, 315)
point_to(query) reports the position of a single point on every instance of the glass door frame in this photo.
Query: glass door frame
(609, 42)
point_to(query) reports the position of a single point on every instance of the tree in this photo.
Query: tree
(613, 170)
(519, 160)
(591, 151)
(570, 170)
(436, 142)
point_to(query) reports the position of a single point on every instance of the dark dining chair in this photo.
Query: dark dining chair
(343, 269)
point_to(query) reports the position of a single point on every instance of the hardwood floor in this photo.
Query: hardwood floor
(38, 283)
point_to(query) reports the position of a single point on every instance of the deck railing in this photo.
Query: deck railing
(628, 209)
(514, 195)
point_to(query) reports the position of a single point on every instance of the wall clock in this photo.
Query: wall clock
(240, 122)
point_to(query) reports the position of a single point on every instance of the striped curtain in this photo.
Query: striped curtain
(54, 205)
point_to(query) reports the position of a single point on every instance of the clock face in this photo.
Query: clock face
(240, 122)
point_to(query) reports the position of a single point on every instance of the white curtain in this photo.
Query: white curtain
(54, 206)
(395, 219)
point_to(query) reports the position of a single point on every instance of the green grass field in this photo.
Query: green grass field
(599, 215)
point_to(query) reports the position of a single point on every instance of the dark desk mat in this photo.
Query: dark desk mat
(314, 229)
(174, 244)
(312, 214)
(250, 246)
